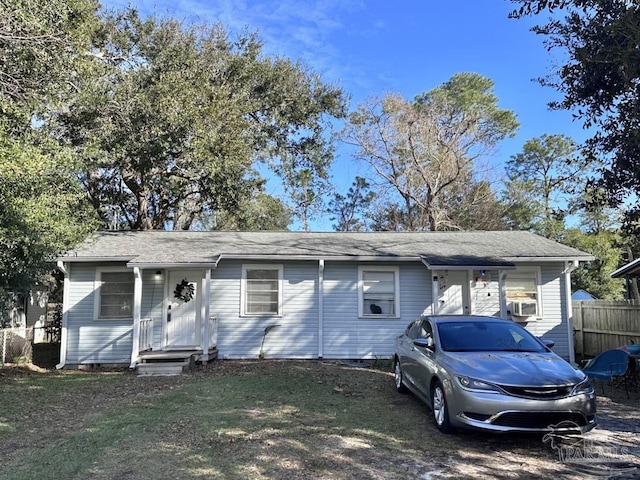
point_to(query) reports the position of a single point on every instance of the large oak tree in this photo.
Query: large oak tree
(170, 120)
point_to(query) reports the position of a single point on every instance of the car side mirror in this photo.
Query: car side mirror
(424, 343)
(547, 343)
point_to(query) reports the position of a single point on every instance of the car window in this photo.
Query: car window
(413, 329)
(425, 330)
(486, 336)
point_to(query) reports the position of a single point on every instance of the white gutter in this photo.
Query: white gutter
(585, 258)
(137, 307)
(320, 308)
(336, 258)
(65, 315)
(571, 266)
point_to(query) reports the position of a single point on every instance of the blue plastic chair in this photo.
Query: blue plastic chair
(607, 366)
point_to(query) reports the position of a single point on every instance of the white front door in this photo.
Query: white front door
(453, 286)
(182, 321)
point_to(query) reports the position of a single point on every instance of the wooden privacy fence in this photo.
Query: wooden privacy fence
(601, 325)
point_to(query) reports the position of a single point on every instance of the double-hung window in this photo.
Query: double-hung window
(114, 294)
(261, 290)
(523, 293)
(379, 291)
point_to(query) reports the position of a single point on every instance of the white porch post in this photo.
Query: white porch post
(502, 276)
(435, 293)
(65, 315)
(206, 324)
(571, 266)
(137, 306)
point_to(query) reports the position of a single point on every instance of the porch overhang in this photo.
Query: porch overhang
(629, 270)
(150, 261)
(466, 262)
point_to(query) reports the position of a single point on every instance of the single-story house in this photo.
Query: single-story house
(299, 294)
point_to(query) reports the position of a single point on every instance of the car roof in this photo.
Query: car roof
(463, 318)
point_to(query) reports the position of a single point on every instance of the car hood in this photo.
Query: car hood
(514, 368)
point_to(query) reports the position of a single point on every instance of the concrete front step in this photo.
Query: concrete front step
(163, 368)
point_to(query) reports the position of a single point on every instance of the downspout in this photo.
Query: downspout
(320, 308)
(65, 315)
(571, 266)
(137, 306)
(502, 286)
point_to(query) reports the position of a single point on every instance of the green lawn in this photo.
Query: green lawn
(258, 420)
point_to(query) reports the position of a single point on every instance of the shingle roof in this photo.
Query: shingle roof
(155, 247)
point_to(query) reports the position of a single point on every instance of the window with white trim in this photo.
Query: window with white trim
(523, 293)
(379, 291)
(114, 294)
(261, 290)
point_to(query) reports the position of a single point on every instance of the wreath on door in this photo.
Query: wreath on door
(184, 291)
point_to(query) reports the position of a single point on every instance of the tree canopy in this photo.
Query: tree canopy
(548, 173)
(170, 119)
(600, 83)
(424, 153)
(42, 207)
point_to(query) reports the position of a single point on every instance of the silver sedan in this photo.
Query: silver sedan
(491, 374)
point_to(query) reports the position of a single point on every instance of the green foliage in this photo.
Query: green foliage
(41, 44)
(260, 212)
(599, 82)
(42, 212)
(170, 120)
(42, 208)
(541, 182)
(595, 276)
(350, 209)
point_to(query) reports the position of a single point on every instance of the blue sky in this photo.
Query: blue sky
(370, 47)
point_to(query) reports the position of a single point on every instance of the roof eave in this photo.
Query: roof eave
(336, 258)
(627, 270)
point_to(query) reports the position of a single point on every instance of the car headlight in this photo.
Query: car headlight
(583, 387)
(474, 384)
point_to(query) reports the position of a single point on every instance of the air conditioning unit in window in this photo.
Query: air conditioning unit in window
(524, 309)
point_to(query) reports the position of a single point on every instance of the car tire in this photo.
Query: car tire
(399, 377)
(440, 408)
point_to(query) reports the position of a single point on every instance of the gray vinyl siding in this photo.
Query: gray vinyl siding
(346, 336)
(92, 341)
(240, 337)
(553, 323)
(485, 293)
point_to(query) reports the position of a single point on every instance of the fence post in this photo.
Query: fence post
(577, 326)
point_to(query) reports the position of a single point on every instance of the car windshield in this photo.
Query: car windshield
(479, 336)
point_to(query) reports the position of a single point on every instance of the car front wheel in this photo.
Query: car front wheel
(397, 373)
(440, 409)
